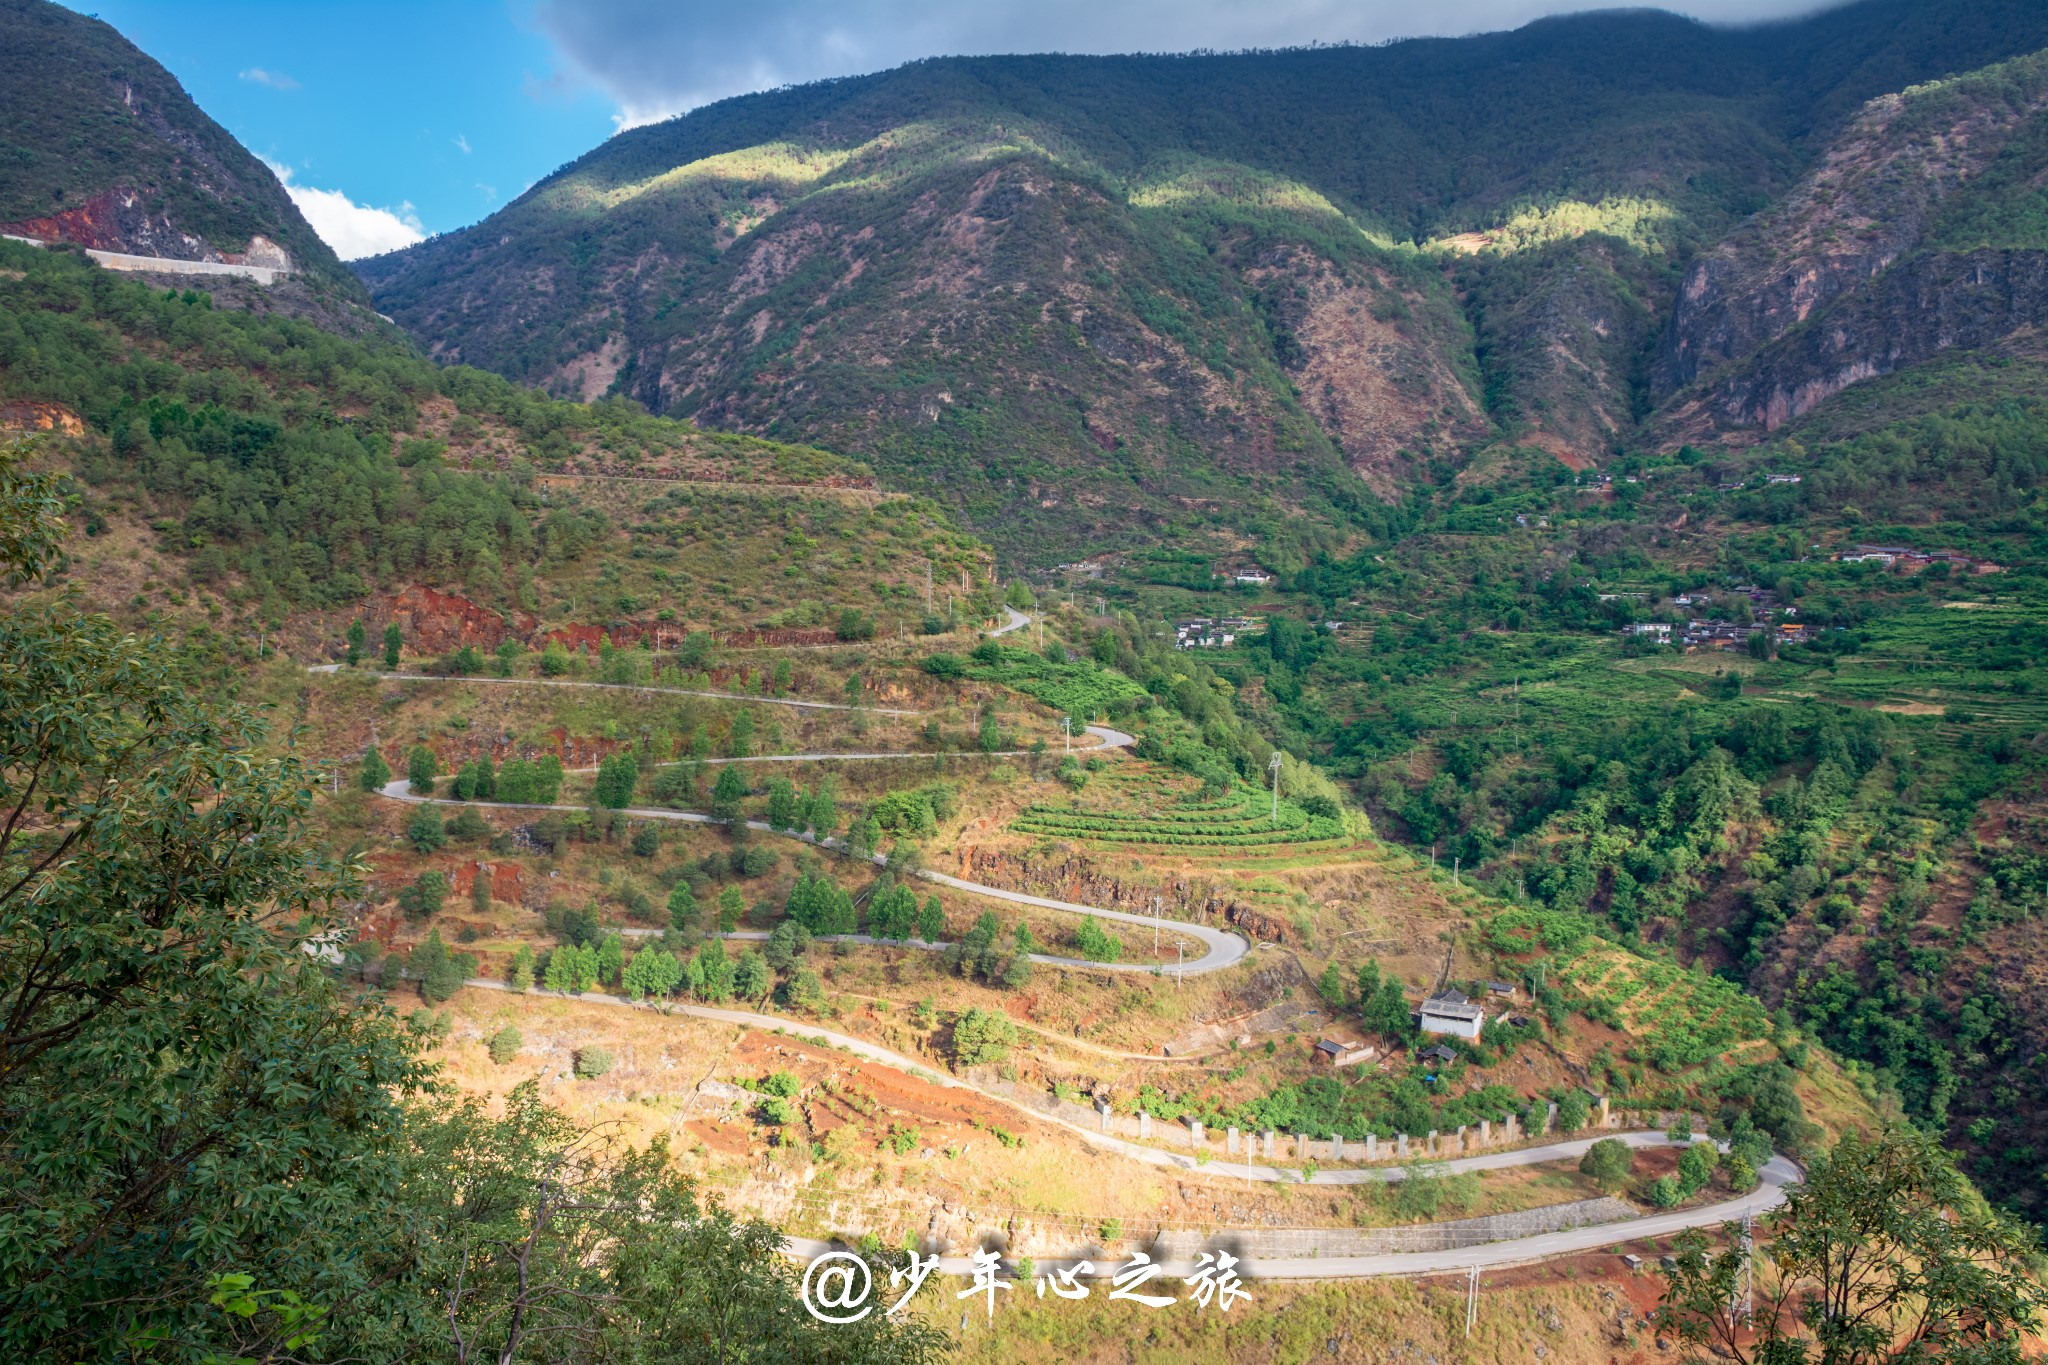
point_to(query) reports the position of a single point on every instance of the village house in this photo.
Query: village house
(1336, 1052)
(1212, 632)
(1450, 1012)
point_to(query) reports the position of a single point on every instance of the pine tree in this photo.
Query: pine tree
(586, 968)
(740, 743)
(520, 976)
(682, 905)
(421, 770)
(717, 970)
(751, 979)
(821, 813)
(931, 921)
(375, 773)
(560, 973)
(424, 831)
(782, 804)
(480, 890)
(730, 791)
(356, 637)
(730, 906)
(1331, 986)
(392, 641)
(616, 778)
(611, 959)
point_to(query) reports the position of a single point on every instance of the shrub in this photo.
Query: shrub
(375, 771)
(776, 1111)
(982, 1037)
(1664, 1192)
(646, 841)
(504, 1044)
(781, 1083)
(1608, 1161)
(468, 826)
(1696, 1167)
(424, 897)
(424, 831)
(591, 1062)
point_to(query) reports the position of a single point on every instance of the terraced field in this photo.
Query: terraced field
(1683, 1017)
(1134, 809)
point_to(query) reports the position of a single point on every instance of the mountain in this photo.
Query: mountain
(101, 147)
(1095, 301)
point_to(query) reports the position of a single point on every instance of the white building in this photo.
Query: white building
(1452, 1013)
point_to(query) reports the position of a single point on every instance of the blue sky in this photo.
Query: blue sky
(435, 111)
(389, 120)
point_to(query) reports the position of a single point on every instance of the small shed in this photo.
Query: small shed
(1440, 1055)
(1450, 1012)
(1504, 989)
(1337, 1052)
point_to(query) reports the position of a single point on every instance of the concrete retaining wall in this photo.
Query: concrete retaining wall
(1449, 1236)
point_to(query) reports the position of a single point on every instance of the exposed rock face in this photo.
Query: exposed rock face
(1375, 361)
(1912, 312)
(27, 415)
(437, 622)
(132, 221)
(1834, 283)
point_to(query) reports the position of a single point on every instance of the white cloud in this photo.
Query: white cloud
(658, 58)
(462, 142)
(276, 80)
(352, 229)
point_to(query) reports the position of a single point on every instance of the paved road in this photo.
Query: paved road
(619, 687)
(1220, 948)
(1018, 620)
(1776, 1174)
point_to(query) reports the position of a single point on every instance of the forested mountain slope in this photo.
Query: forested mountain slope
(99, 145)
(1089, 300)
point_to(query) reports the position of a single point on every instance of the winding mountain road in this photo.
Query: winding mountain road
(1221, 948)
(1776, 1174)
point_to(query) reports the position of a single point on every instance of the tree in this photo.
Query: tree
(786, 943)
(1696, 1166)
(477, 780)
(731, 904)
(1386, 1011)
(728, 792)
(652, 972)
(991, 738)
(480, 890)
(751, 978)
(438, 972)
(740, 743)
(1883, 1254)
(892, 912)
(616, 778)
(560, 972)
(519, 976)
(424, 831)
(157, 885)
(375, 771)
(931, 921)
(1331, 986)
(611, 959)
(1609, 1161)
(782, 804)
(392, 641)
(981, 1037)
(1092, 942)
(356, 639)
(717, 971)
(821, 812)
(424, 896)
(421, 770)
(1573, 1109)
(682, 906)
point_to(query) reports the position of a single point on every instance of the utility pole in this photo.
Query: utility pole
(1456, 861)
(1745, 1286)
(1472, 1301)
(927, 587)
(1180, 973)
(1155, 924)
(1275, 766)
(1067, 734)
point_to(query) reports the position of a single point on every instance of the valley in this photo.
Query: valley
(1421, 670)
